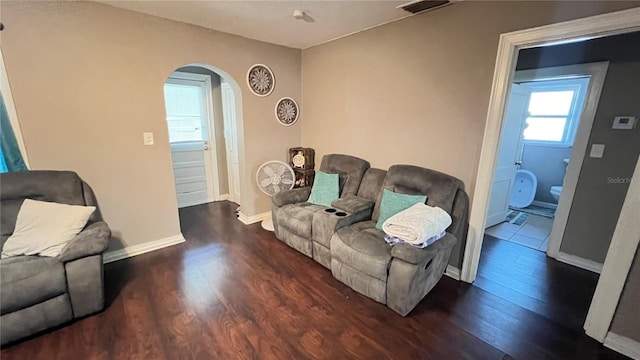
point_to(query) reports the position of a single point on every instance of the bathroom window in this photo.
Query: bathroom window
(555, 108)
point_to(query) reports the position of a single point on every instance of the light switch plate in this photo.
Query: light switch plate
(597, 150)
(148, 138)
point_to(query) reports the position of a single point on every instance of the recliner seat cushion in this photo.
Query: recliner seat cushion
(29, 280)
(362, 247)
(299, 217)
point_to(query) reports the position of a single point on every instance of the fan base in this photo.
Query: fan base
(267, 224)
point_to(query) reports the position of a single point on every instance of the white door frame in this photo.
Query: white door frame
(508, 47)
(7, 96)
(617, 263)
(231, 139)
(211, 128)
(246, 187)
(597, 72)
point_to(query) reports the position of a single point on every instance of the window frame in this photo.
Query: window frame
(579, 85)
(204, 81)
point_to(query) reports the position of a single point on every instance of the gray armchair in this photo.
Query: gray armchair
(37, 293)
(294, 218)
(400, 276)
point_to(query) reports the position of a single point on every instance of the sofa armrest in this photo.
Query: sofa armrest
(414, 255)
(291, 196)
(93, 240)
(414, 272)
(353, 204)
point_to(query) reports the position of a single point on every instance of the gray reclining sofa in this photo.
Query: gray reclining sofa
(400, 275)
(308, 227)
(37, 293)
(344, 238)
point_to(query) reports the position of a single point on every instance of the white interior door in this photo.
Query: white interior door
(509, 153)
(231, 141)
(189, 108)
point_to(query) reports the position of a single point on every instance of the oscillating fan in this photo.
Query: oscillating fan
(273, 177)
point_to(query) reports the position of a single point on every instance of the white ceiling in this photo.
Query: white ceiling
(272, 21)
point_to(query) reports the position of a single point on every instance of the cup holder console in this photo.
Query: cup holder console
(336, 212)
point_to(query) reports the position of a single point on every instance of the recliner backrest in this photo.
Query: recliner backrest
(349, 168)
(441, 189)
(371, 183)
(64, 187)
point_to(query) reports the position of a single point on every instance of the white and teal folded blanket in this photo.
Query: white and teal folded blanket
(391, 240)
(417, 224)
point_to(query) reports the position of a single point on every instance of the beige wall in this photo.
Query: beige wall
(218, 123)
(416, 91)
(87, 80)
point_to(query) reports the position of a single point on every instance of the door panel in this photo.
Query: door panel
(190, 176)
(509, 154)
(188, 117)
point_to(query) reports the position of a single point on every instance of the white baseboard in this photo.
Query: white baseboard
(582, 263)
(223, 197)
(248, 220)
(545, 204)
(134, 250)
(623, 345)
(452, 272)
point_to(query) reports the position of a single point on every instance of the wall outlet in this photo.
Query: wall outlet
(148, 138)
(597, 150)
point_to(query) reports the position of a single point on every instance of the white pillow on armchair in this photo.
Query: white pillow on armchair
(44, 228)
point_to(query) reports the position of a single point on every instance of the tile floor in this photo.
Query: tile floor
(533, 233)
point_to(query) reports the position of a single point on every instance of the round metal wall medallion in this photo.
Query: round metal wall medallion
(287, 111)
(260, 80)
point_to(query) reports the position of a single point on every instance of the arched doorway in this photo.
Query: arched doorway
(204, 118)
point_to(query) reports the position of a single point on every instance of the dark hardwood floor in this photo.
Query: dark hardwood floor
(235, 292)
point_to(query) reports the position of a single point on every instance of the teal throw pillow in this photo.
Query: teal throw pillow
(392, 203)
(326, 188)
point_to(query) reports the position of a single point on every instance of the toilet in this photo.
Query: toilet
(556, 191)
(525, 185)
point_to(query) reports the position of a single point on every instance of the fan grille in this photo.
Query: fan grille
(275, 176)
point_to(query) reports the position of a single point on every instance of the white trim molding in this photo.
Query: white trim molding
(11, 110)
(508, 47)
(623, 345)
(545, 204)
(617, 264)
(248, 220)
(453, 272)
(223, 197)
(140, 249)
(580, 262)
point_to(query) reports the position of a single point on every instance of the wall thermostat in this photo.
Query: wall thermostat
(624, 122)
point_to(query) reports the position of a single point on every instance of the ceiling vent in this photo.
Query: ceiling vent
(419, 6)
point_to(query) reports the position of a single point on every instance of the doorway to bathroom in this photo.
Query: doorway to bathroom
(549, 116)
